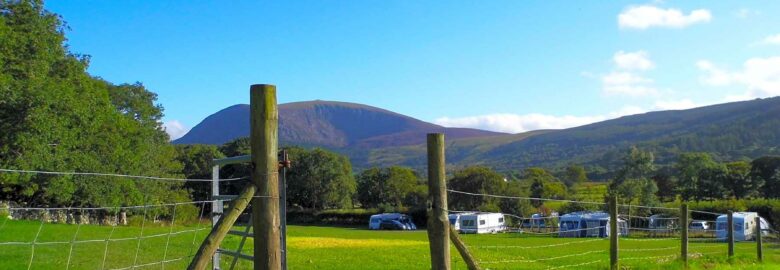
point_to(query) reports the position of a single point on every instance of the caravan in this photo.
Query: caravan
(744, 226)
(588, 224)
(479, 222)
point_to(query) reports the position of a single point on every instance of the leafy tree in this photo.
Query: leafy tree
(575, 174)
(739, 182)
(633, 183)
(712, 182)
(765, 169)
(537, 191)
(320, 179)
(666, 184)
(197, 161)
(54, 116)
(394, 186)
(476, 179)
(689, 167)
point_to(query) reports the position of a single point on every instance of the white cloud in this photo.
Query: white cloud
(175, 129)
(772, 40)
(646, 16)
(638, 60)
(627, 84)
(516, 123)
(761, 77)
(743, 13)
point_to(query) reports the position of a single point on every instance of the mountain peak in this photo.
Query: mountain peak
(325, 123)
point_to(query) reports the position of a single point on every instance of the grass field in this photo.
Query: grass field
(350, 248)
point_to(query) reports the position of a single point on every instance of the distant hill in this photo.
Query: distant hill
(328, 124)
(377, 137)
(730, 131)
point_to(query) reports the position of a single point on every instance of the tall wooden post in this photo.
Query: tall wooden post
(438, 225)
(613, 234)
(759, 240)
(730, 232)
(263, 134)
(684, 233)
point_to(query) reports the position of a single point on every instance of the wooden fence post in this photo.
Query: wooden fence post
(613, 234)
(438, 223)
(684, 233)
(730, 232)
(759, 240)
(263, 133)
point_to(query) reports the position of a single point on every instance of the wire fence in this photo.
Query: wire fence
(579, 239)
(158, 235)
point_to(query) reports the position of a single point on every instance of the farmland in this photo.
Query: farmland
(349, 248)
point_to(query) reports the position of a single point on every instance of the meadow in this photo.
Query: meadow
(313, 247)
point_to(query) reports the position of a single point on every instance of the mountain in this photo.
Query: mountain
(375, 137)
(730, 131)
(327, 124)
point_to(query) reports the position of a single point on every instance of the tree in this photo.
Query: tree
(480, 180)
(712, 182)
(689, 167)
(54, 116)
(197, 161)
(739, 182)
(632, 183)
(575, 174)
(394, 186)
(320, 179)
(666, 184)
(765, 169)
(537, 191)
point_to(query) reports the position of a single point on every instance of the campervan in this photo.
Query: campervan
(391, 221)
(481, 223)
(588, 224)
(744, 226)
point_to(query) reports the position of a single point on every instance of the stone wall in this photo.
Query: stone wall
(62, 216)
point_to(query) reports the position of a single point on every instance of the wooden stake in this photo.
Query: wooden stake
(759, 241)
(264, 120)
(684, 233)
(471, 263)
(613, 233)
(438, 223)
(730, 232)
(224, 224)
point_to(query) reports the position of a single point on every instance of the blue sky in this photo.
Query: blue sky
(508, 66)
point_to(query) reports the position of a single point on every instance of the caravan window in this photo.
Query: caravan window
(481, 222)
(467, 223)
(500, 220)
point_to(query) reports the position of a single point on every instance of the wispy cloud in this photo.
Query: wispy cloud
(625, 80)
(639, 60)
(516, 123)
(647, 16)
(771, 40)
(175, 129)
(761, 77)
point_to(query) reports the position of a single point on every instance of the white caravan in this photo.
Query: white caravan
(481, 223)
(744, 226)
(455, 219)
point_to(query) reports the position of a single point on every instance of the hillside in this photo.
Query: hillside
(377, 137)
(328, 124)
(730, 131)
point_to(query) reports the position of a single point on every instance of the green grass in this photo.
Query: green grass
(349, 248)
